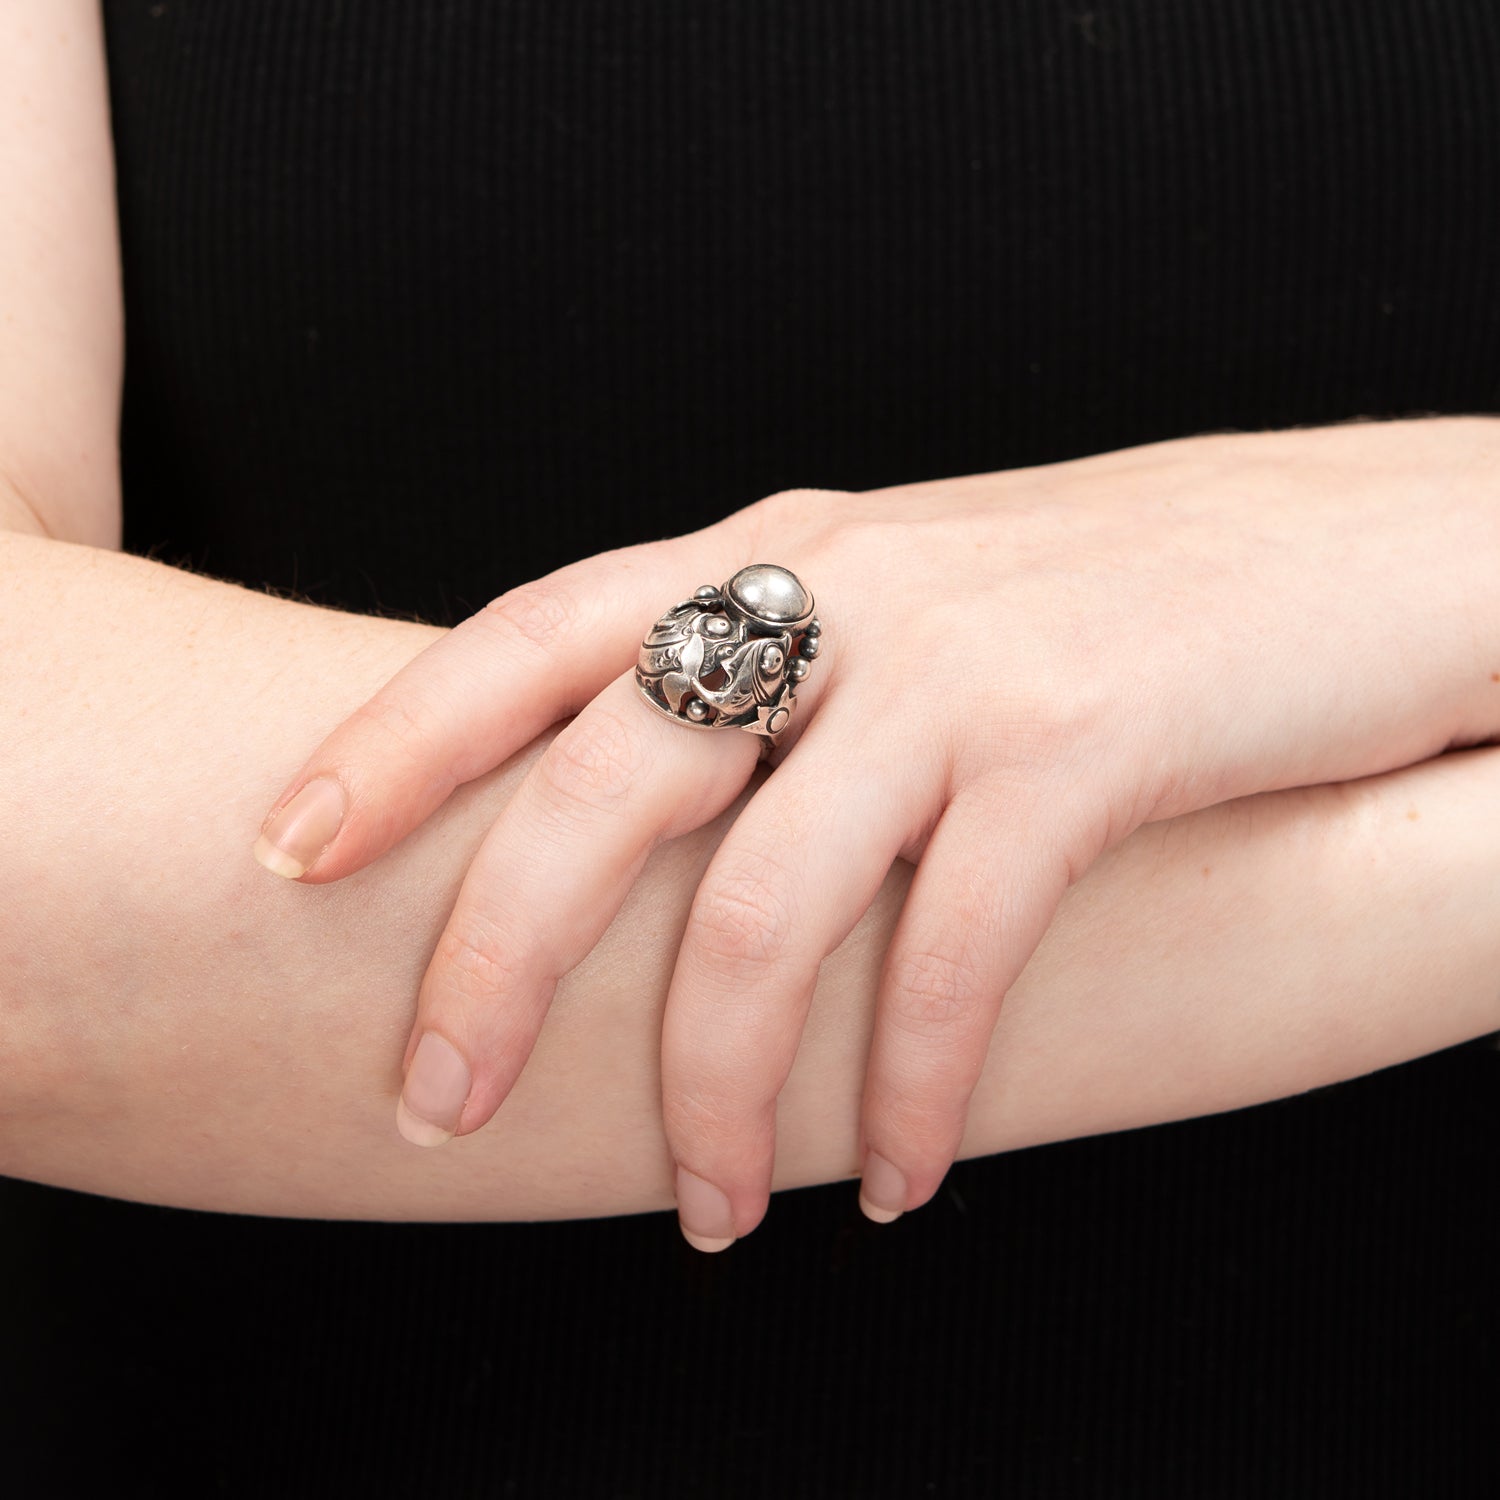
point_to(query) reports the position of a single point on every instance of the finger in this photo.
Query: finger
(547, 881)
(469, 701)
(987, 887)
(801, 864)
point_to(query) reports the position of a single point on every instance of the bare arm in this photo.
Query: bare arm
(61, 328)
(181, 1027)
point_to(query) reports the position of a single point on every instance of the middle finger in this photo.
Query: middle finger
(547, 881)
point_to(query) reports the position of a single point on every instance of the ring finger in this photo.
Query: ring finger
(792, 877)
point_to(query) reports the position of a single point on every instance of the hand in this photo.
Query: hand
(1018, 670)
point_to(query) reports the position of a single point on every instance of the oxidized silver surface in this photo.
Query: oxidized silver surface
(731, 657)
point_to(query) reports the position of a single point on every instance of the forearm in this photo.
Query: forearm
(61, 323)
(179, 1026)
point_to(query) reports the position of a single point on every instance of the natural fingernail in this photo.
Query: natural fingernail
(882, 1193)
(703, 1213)
(302, 830)
(432, 1098)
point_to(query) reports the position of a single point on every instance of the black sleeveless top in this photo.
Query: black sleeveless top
(427, 299)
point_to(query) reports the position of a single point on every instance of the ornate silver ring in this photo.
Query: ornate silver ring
(731, 657)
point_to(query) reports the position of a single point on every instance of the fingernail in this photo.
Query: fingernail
(302, 830)
(882, 1193)
(432, 1098)
(703, 1213)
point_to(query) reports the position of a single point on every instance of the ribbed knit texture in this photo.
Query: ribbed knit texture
(427, 298)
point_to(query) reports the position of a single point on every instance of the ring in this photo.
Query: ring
(731, 657)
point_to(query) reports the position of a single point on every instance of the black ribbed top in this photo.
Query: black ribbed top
(428, 298)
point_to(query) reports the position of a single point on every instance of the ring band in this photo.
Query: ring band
(731, 657)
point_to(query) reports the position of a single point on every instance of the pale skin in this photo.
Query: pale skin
(180, 1028)
(1084, 648)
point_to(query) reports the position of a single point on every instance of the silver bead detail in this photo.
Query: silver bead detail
(797, 669)
(695, 709)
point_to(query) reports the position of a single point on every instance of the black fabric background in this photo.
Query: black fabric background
(424, 300)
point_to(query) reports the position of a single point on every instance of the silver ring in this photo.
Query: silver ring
(731, 657)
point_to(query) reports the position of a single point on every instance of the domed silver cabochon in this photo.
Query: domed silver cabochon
(770, 595)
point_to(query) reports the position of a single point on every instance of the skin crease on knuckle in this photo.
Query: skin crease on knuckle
(474, 964)
(414, 736)
(594, 765)
(929, 992)
(720, 1124)
(537, 614)
(740, 921)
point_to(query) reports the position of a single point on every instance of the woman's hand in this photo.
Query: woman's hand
(1018, 669)
(178, 1028)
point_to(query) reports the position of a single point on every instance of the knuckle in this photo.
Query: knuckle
(873, 542)
(718, 1117)
(411, 728)
(794, 511)
(697, 1113)
(744, 917)
(475, 964)
(592, 764)
(923, 1125)
(537, 613)
(930, 992)
(804, 497)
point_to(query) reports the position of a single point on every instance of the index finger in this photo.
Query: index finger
(467, 703)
